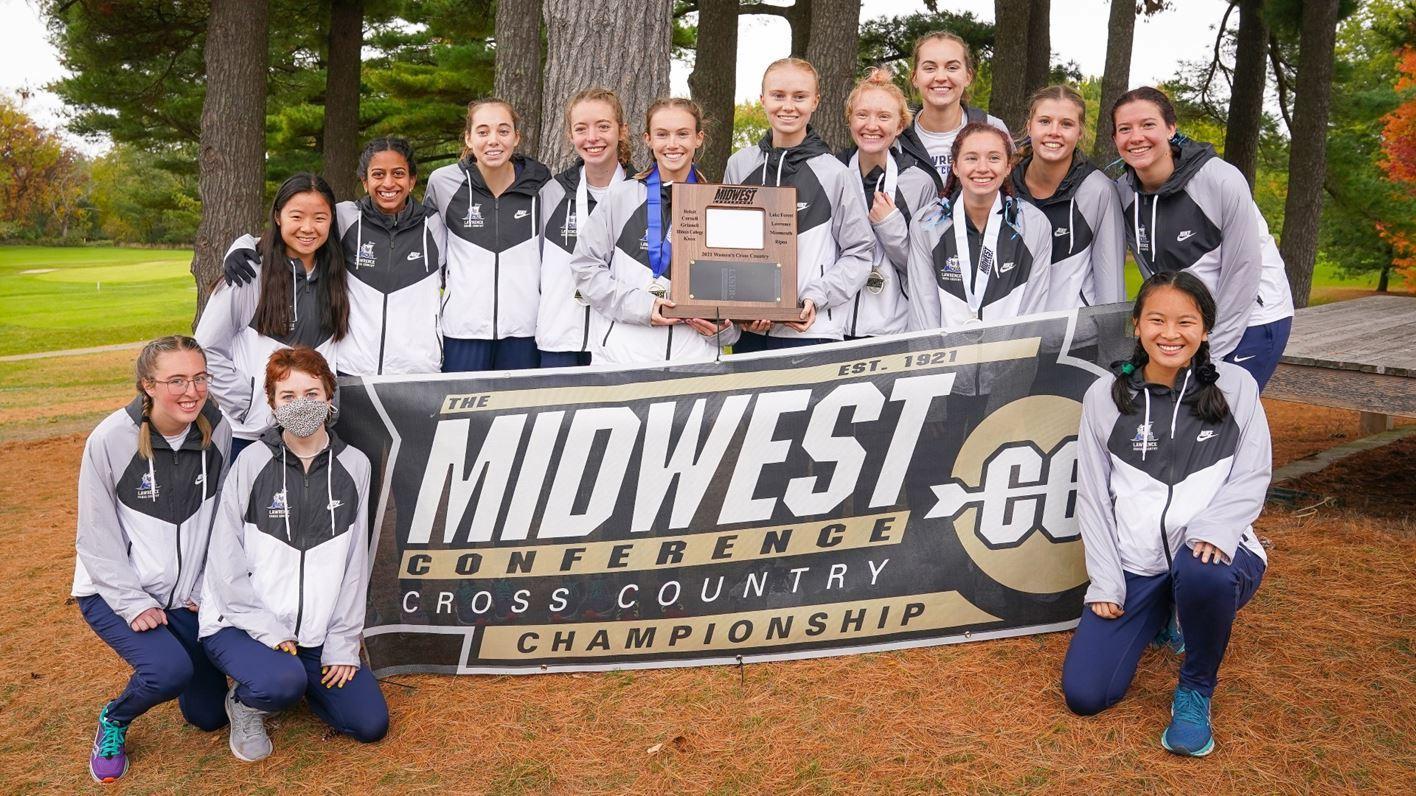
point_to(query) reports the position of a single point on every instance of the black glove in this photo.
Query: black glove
(240, 266)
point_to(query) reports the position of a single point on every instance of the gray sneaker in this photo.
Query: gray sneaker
(249, 741)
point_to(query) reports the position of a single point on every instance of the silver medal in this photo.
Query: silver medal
(658, 289)
(581, 300)
(875, 282)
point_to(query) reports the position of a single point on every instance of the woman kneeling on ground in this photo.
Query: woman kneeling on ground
(283, 608)
(142, 540)
(1175, 442)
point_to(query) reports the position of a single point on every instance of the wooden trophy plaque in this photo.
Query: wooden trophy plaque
(734, 253)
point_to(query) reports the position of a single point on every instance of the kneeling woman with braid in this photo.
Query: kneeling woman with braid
(1173, 465)
(283, 608)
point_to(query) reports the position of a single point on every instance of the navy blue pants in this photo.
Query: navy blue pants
(508, 353)
(1102, 658)
(273, 680)
(564, 359)
(238, 445)
(167, 662)
(1260, 348)
(751, 342)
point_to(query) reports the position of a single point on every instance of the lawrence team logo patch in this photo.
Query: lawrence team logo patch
(147, 488)
(366, 258)
(278, 510)
(1145, 439)
(473, 220)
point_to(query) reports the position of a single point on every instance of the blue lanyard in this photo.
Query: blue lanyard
(660, 248)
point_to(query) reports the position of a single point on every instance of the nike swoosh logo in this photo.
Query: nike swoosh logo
(1237, 360)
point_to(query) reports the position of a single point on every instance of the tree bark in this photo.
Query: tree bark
(231, 160)
(518, 70)
(1307, 158)
(1116, 78)
(1246, 98)
(713, 82)
(1039, 67)
(1010, 61)
(624, 45)
(799, 16)
(835, 38)
(341, 121)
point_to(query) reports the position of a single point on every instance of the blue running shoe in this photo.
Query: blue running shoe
(1170, 637)
(1189, 731)
(109, 759)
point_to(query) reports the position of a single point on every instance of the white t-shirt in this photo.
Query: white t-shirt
(940, 146)
(176, 440)
(599, 194)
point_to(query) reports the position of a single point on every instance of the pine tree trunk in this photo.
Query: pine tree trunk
(623, 45)
(799, 17)
(518, 69)
(1246, 99)
(1307, 158)
(1116, 78)
(231, 160)
(713, 82)
(1039, 47)
(835, 37)
(341, 122)
(1010, 62)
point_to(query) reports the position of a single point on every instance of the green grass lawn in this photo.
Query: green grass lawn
(57, 298)
(1328, 284)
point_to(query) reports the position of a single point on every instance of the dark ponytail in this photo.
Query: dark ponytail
(1209, 398)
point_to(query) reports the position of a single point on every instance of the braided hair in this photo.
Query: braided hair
(144, 370)
(1209, 398)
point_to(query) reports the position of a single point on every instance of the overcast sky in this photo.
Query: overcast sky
(1184, 33)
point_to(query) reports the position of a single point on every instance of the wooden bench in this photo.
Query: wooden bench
(1358, 354)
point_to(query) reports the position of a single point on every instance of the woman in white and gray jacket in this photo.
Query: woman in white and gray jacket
(1186, 208)
(834, 239)
(1079, 200)
(896, 188)
(300, 298)
(979, 254)
(1173, 464)
(282, 608)
(148, 486)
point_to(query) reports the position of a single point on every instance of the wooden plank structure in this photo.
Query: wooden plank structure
(1358, 354)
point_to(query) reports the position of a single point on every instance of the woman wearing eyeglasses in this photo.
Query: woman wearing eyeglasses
(147, 493)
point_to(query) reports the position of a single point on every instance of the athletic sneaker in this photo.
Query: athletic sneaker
(249, 741)
(1170, 637)
(109, 759)
(1189, 731)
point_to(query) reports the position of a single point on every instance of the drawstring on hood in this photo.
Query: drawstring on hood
(789, 159)
(1138, 381)
(285, 491)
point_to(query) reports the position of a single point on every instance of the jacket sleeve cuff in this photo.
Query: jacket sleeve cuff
(817, 296)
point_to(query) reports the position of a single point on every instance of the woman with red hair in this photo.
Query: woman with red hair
(282, 612)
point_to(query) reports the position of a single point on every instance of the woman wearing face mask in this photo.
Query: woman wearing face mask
(834, 240)
(303, 301)
(896, 188)
(1173, 462)
(565, 325)
(283, 607)
(147, 493)
(980, 255)
(489, 203)
(942, 70)
(393, 256)
(630, 288)
(1187, 209)
(1088, 236)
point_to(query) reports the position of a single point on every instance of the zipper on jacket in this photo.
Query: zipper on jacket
(252, 397)
(585, 337)
(669, 347)
(176, 583)
(855, 316)
(300, 606)
(383, 335)
(1169, 495)
(496, 262)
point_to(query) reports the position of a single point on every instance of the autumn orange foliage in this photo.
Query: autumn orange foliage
(1399, 158)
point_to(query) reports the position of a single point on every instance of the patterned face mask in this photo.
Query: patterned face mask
(303, 416)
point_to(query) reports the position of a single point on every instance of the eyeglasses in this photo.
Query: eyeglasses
(178, 384)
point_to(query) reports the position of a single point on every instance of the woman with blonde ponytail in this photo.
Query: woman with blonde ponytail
(594, 122)
(144, 519)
